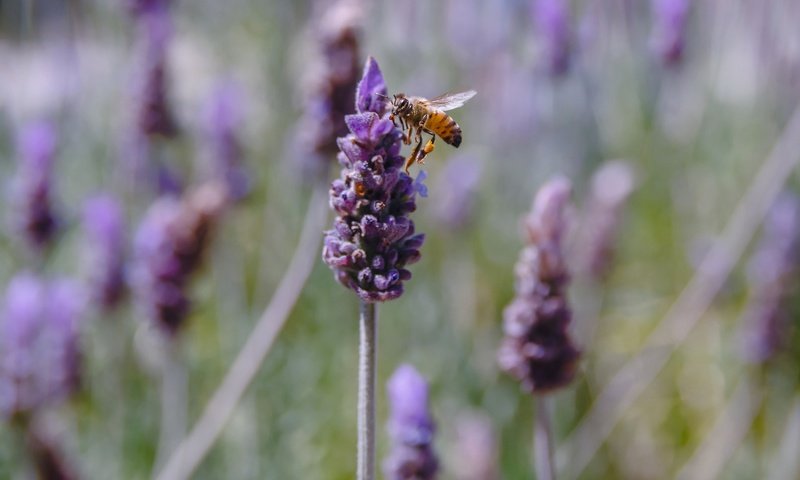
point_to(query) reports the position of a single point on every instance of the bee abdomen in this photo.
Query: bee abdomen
(445, 127)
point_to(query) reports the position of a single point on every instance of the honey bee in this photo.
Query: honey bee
(418, 115)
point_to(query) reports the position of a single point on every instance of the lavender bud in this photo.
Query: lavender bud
(456, 192)
(611, 186)
(34, 218)
(552, 23)
(224, 120)
(103, 224)
(39, 354)
(410, 428)
(332, 80)
(154, 115)
(772, 274)
(669, 30)
(373, 199)
(537, 349)
(169, 247)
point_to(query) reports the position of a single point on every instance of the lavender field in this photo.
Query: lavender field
(213, 264)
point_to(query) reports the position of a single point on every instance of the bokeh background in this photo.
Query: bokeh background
(688, 97)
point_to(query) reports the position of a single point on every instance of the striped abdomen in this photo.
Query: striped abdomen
(443, 125)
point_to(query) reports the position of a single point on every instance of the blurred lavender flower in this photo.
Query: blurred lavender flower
(669, 30)
(39, 354)
(224, 121)
(611, 186)
(372, 239)
(456, 188)
(141, 7)
(410, 427)
(154, 116)
(773, 277)
(103, 224)
(332, 79)
(475, 448)
(537, 349)
(553, 26)
(34, 218)
(169, 247)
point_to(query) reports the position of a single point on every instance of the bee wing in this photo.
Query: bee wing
(449, 101)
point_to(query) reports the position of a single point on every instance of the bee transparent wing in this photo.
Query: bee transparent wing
(449, 101)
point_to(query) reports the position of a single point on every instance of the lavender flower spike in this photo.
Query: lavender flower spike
(372, 240)
(552, 22)
(410, 427)
(224, 121)
(103, 224)
(169, 247)
(34, 218)
(773, 280)
(537, 349)
(669, 30)
(39, 354)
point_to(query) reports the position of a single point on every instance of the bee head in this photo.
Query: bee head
(401, 105)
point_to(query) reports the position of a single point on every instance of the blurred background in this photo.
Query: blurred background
(660, 113)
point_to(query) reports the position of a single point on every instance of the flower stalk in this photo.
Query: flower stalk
(367, 362)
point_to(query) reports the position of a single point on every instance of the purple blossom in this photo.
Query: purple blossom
(537, 349)
(141, 7)
(103, 224)
(553, 25)
(669, 29)
(34, 218)
(772, 272)
(332, 79)
(169, 247)
(224, 121)
(372, 240)
(456, 189)
(39, 354)
(410, 428)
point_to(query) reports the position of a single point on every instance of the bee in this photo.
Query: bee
(418, 115)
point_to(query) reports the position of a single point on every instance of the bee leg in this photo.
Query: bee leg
(407, 136)
(413, 156)
(428, 149)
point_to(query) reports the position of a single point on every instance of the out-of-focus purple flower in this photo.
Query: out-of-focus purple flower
(372, 240)
(537, 349)
(456, 189)
(103, 224)
(34, 217)
(411, 428)
(611, 186)
(669, 29)
(224, 120)
(554, 32)
(154, 116)
(39, 354)
(331, 82)
(475, 448)
(169, 247)
(140, 7)
(773, 273)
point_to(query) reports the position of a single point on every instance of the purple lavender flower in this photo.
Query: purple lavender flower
(372, 240)
(140, 7)
(103, 224)
(35, 220)
(224, 119)
(537, 349)
(611, 186)
(773, 279)
(169, 247)
(669, 29)
(39, 355)
(332, 82)
(410, 427)
(154, 115)
(456, 189)
(552, 23)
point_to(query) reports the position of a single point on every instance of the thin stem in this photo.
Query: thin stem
(367, 361)
(206, 431)
(543, 441)
(173, 400)
(636, 375)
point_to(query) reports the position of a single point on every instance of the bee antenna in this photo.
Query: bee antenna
(382, 95)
